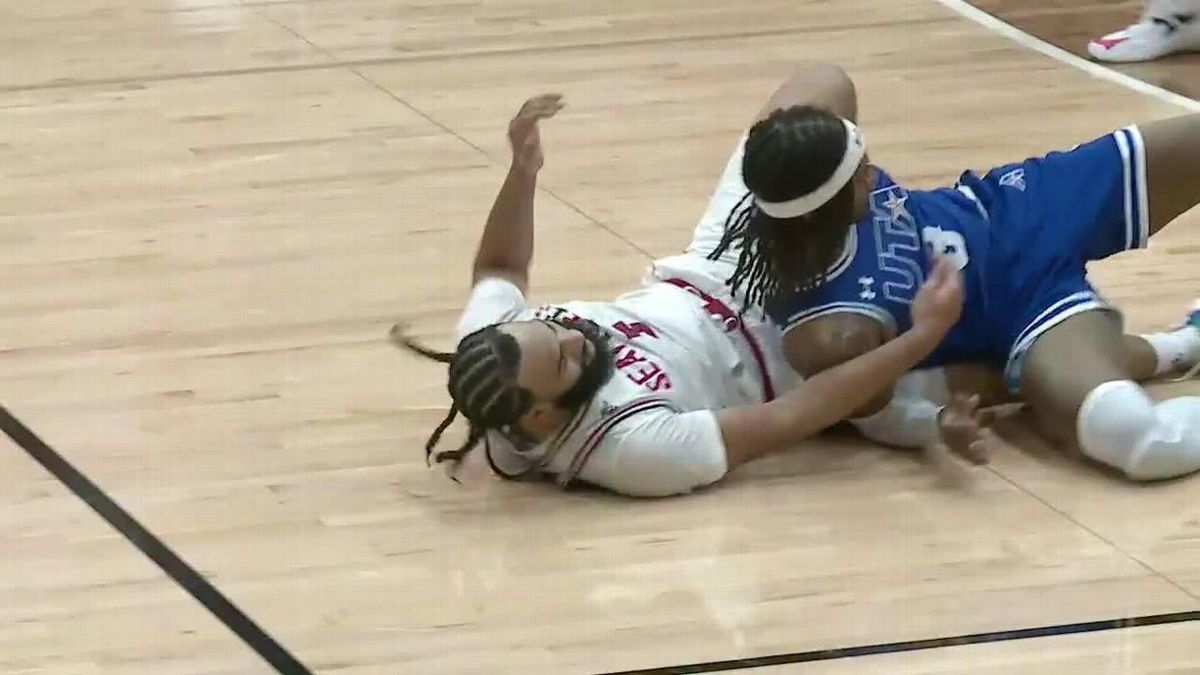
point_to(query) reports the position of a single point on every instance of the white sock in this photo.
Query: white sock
(1176, 349)
(1186, 35)
(1171, 7)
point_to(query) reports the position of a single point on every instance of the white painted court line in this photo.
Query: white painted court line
(1091, 68)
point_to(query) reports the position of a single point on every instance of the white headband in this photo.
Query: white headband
(856, 148)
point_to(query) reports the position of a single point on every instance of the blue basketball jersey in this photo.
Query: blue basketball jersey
(1021, 234)
(887, 257)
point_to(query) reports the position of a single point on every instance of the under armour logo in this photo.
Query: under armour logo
(867, 293)
(1014, 179)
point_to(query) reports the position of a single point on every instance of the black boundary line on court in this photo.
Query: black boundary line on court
(919, 645)
(283, 662)
(153, 547)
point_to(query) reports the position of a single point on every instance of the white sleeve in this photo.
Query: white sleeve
(659, 453)
(910, 419)
(907, 422)
(492, 300)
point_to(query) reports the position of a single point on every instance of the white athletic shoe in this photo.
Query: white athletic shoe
(1152, 38)
(1193, 320)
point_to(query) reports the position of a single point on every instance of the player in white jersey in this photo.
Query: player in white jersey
(1166, 27)
(659, 392)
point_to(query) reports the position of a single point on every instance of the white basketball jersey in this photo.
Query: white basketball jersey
(670, 350)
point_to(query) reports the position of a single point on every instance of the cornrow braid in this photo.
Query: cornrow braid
(482, 384)
(788, 154)
(752, 268)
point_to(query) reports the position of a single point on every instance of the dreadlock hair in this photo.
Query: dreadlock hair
(483, 385)
(789, 154)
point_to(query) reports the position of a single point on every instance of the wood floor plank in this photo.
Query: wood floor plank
(1071, 24)
(211, 222)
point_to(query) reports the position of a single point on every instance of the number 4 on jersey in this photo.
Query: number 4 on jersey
(634, 330)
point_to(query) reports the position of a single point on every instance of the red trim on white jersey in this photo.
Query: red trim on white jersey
(732, 320)
(602, 428)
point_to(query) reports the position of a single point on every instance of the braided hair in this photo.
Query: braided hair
(789, 154)
(482, 385)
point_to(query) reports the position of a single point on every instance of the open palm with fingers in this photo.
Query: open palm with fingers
(523, 132)
(965, 429)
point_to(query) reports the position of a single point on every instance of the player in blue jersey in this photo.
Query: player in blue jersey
(835, 249)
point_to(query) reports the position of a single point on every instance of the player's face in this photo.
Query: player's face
(552, 357)
(562, 365)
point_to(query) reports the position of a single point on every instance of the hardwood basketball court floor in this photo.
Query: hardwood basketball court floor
(213, 211)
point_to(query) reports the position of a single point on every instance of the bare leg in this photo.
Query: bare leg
(988, 382)
(1068, 363)
(1172, 155)
(1077, 381)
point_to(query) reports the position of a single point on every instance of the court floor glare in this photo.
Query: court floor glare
(214, 210)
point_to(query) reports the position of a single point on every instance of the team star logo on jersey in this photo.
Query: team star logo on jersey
(895, 204)
(1014, 179)
(868, 291)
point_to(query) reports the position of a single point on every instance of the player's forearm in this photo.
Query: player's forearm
(506, 246)
(822, 401)
(835, 394)
(877, 404)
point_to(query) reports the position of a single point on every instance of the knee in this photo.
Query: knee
(833, 77)
(836, 89)
(1172, 448)
(825, 71)
(1121, 426)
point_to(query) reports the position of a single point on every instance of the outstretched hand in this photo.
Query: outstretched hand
(523, 132)
(965, 429)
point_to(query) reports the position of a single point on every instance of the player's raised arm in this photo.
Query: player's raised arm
(834, 394)
(506, 247)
